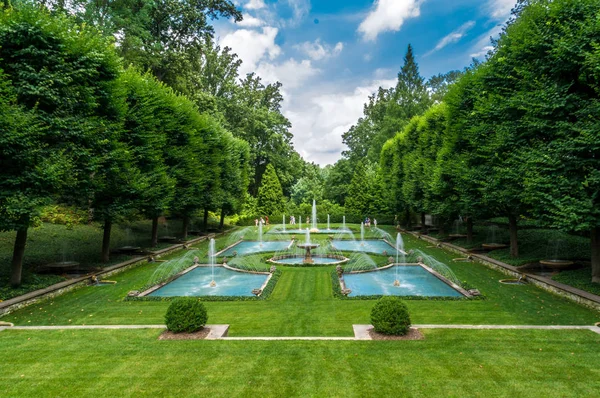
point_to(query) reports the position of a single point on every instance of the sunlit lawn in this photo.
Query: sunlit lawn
(459, 363)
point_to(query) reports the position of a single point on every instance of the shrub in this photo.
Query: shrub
(390, 316)
(186, 314)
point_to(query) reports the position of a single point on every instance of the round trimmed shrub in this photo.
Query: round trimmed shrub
(390, 316)
(186, 314)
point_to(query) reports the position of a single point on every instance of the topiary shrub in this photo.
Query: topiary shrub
(390, 316)
(186, 314)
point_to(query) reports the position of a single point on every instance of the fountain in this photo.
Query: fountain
(343, 222)
(284, 223)
(554, 262)
(308, 246)
(399, 251)
(61, 266)
(260, 233)
(457, 230)
(211, 260)
(314, 217)
(492, 243)
(362, 233)
(300, 223)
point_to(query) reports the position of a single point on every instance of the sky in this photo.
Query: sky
(330, 55)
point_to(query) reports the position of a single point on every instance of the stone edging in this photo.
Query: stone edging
(577, 295)
(60, 288)
(361, 332)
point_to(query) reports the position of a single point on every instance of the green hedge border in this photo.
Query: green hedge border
(264, 296)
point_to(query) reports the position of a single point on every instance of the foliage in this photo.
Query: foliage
(65, 215)
(390, 316)
(186, 315)
(365, 194)
(270, 196)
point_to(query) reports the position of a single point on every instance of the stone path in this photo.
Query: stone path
(361, 332)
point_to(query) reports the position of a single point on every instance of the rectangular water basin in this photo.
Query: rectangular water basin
(251, 247)
(368, 246)
(414, 281)
(197, 283)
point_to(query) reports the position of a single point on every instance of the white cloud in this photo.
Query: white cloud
(255, 5)
(252, 46)
(452, 37)
(388, 15)
(321, 114)
(500, 9)
(482, 52)
(250, 22)
(291, 73)
(483, 43)
(317, 51)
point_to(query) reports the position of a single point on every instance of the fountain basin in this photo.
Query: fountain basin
(129, 249)
(414, 280)
(512, 281)
(61, 266)
(250, 247)
(297, 260)
(557, 264)
(493, 246)
(367, 246)
(167, 239)
(196, 281)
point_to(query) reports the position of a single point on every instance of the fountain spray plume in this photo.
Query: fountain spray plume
(212, 259)
(260, 233)
(284, 223)
(343, 222)
(399, 251)
(362, 233)
(328, 223)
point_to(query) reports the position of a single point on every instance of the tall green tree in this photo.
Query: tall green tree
(65, 75)
(270, 195)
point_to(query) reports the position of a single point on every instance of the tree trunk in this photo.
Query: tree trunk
(596, 255)
(186, 225)
(106, 241)
(222, 221)
(154, 232)
(423, 226)
(17, 260)
(205, 225)
(514, 243)
(469, 229)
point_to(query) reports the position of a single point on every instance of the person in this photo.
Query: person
(262, 221)
(267, 220)
(292, 220)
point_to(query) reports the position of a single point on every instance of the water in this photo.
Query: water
(316, 260)
(329, 229)
(249, 247)
(211, 260)
(343, 222)
(362, 233)
(300, 223)
(555, 249)
(314, 215)
(368, 246)
(307, 237)
(260, 232)
(415, 281)
(399, 252)
(437, 266)
(172, 267)
(197, 283)
(491, 234)
(284, 223)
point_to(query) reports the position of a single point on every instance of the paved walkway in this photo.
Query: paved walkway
(361, 332)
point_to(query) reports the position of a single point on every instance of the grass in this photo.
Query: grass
(579, 278)
(523, 363)
(302, 303)
(50, 243)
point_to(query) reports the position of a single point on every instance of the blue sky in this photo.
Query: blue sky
(330, 55)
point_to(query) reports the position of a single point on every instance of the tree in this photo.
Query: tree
(270, 195)
(234, 175)
(338, 181)
(64, 74)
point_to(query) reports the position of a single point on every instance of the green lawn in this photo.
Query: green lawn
(302, 304)
(459, 363)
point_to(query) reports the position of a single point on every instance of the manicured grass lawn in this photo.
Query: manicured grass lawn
(302, 304)
(460, 363)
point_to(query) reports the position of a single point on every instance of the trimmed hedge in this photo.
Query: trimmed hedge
(186, 314)
(390, 316)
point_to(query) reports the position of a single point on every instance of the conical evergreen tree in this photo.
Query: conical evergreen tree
(358, 199)
(408, 99)
(270, 194)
